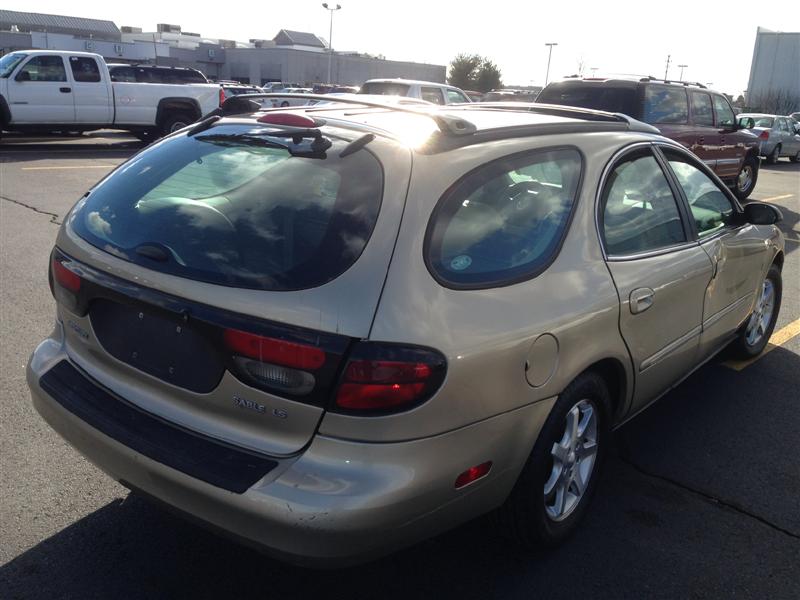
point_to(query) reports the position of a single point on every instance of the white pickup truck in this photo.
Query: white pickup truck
(48, 90)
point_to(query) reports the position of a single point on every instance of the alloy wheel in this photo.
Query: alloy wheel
(573, 457)
(745, 179)
(762, 315)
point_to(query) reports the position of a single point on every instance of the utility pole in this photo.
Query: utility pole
(549, 56)
(682, 67)
(666, 71)
(330, 37)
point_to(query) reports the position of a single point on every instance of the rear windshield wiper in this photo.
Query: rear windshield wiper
(296, 147)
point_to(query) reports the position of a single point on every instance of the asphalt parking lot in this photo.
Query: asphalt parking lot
(701, 498)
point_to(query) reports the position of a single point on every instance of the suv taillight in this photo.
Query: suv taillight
(65, 284)
(382, 378)
(764, 135)
(221, 96)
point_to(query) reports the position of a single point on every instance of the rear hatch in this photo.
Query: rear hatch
(219, 279)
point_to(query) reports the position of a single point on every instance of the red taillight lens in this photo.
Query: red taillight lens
(382, 378)
(65, 278)
(288, 119)
(275, 351)
(473, 474)
(764, 135)
(221, 96)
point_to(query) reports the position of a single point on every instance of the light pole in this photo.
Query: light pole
(330, 36)
(549, 56)
(682, 67)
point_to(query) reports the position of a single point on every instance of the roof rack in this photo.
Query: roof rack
(672, 81)
(447, 124)
(559, 110)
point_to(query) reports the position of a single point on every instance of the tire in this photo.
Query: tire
(755, 333)
(795, 158)
(175, 121)
(530, 518)
(746, 179)
(284, 104)
(776, 154)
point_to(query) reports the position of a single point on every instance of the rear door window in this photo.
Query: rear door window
(640, 212)
(701, 109)
(84, 69)
(230, 210)
(504, 222)
(432, 94)
(665, 105)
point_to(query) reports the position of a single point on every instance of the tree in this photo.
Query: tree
(474, 72)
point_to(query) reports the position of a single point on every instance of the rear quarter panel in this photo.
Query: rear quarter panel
(137, 103)
(486, 335)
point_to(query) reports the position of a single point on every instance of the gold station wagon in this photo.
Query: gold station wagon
(333, 331)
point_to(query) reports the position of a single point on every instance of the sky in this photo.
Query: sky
(715, 39)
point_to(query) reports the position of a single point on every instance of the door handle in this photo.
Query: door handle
(641, 299)
(65, 90)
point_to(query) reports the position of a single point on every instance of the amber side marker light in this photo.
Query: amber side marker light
(473, 474)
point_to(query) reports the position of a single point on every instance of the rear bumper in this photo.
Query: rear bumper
(338, 502)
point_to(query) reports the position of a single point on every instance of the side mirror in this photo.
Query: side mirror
(23, 76)
(747, 123)
(761, 213)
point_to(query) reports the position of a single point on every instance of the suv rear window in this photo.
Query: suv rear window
(504, 222)
(384, 88)
(594, 96)
(232, 210)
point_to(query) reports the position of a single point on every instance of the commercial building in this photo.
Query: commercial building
(291, 56)
(774, 84)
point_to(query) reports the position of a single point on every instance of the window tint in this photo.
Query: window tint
(125, 74)
(701, 109)
(505, 221)
(640, 213)
(432, 94)
(596, 96)
(84, 69)
(665, 104)
(45, 68)
(711, 209)
(724, 112)
(384, 88)
(235, 213)
(456, 96)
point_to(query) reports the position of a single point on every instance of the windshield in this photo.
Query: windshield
(9, 61)
(384, 88)
(233, 206)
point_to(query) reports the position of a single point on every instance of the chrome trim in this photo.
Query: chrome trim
(669, 349)
(721, 313)
(656, 252)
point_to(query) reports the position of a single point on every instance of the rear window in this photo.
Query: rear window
(594, 96)
(234, 211)
(384, 88)
(504, 222)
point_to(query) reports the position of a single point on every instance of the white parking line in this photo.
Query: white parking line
(70, 167)
(773, 198)
(778, 339)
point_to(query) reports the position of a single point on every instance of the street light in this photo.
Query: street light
(549, 56)
(682, 67)
(330, 36)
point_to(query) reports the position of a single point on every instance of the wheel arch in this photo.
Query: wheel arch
(169, 106)
(613, 372)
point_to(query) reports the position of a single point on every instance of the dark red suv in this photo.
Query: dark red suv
(700, 119)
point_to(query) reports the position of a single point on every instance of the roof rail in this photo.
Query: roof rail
(447, 123)
(672, 81)
(559, 110)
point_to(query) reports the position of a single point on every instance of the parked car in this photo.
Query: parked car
(235, 88)
(46, 90)
(777, 135)
(349, 98)
(700, 119)
(154, 74)
(435, 93)
(795, 117)
(509, 96)
(273, 323)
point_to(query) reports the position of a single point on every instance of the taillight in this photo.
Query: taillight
(288, 119)
(380, 378)
(473, 474)
(764, 135)
(275, 364)
(65, 284)
(221, 96)
(64, 277)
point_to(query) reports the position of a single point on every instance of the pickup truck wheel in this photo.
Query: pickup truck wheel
(557, 482)
(776, 153)
(746, 180)
(176, 121)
